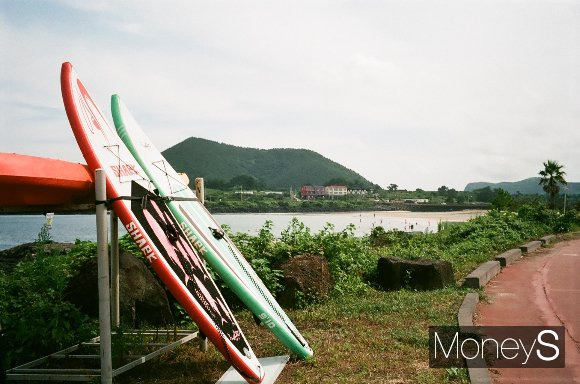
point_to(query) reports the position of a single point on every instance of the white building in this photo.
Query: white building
(335, 190)
(361, 192)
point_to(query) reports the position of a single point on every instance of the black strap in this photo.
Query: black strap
(145, 198)
(109, 201)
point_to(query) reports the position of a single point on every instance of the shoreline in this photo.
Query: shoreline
(20, 229)
(449, 215)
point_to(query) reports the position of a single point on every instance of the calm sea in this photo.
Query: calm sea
(17, 229)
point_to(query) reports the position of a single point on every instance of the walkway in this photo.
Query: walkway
(540, 289)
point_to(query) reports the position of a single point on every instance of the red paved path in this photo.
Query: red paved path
(540, 289)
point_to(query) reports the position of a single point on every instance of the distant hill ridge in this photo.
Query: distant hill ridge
(274, 168)
(529, 186)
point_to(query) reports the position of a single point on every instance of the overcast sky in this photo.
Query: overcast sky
(416, 93)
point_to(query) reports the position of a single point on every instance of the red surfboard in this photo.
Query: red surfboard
(30, 181)
(152, 226)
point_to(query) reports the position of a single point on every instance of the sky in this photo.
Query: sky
(415, 93)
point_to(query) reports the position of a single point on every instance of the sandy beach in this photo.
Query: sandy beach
(436, 216)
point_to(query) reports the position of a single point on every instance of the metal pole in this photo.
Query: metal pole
(115, 312)
(103, 273)
(200, 189)
(200, 194)
(202, 342)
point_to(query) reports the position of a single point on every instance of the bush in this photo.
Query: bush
(465, 244)
(35, 317)
(353, 260)
(44, 235)
(554, 220)
(565, 222)
(349, 257)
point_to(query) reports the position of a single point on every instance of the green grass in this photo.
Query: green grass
(360, 334)
(379, 337)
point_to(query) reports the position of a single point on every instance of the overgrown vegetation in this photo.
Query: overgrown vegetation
(34, 315)
(353, 333)
(44, 235)
(353, 260)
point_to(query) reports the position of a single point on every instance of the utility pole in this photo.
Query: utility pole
(565, 195)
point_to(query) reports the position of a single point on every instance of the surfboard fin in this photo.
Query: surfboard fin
(257, 319)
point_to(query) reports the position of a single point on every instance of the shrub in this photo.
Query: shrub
(349, 258)
(44, 235)
(35, 317)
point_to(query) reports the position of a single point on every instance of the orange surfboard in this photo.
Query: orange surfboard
(27, 182)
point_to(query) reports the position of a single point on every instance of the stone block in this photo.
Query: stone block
(531, 246)
(482, 274)
(467, 309)
(509, 257)
(394, 273)
(305, 275)
(465, 319)
(546, 240)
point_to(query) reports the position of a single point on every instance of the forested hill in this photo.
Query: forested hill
(281, 169)
(529, 186)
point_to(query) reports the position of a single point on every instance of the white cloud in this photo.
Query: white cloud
(417, 93)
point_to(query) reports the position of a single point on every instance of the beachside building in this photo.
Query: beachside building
(360, 192)
(311, 191)
(316, 191)
(335, 190)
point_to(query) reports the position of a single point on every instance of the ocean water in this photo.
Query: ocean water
(19, 229)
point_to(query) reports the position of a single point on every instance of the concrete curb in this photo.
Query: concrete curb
(467, 310)
(478, 279)
(482, 274)
(546, 240)
(465, 319)
(531, 246)
(509, 257)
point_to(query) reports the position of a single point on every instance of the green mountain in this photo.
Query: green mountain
(529, 186)
(271, 168)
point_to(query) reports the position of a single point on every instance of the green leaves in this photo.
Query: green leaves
(350, 257)
(552, 177)
(469, 243)
(44, 235)
(35, 318)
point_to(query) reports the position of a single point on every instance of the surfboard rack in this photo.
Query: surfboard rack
(80, 362)
(87, 355)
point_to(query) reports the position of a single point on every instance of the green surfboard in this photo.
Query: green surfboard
(205, 234)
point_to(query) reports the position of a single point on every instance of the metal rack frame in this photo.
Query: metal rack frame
(31, 371)
(108, 294)
(108, 286)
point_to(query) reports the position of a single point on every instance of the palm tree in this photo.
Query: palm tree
(552, 177)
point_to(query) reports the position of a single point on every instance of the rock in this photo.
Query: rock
(142, 299)
(394, 273)
(305, 275)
